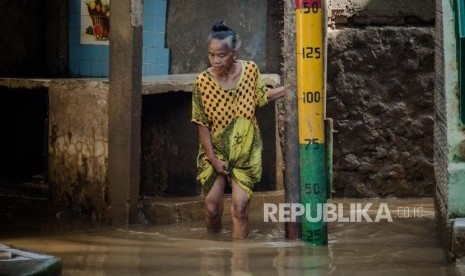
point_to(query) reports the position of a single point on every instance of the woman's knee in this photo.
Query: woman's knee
(239, 210)
(213, 209)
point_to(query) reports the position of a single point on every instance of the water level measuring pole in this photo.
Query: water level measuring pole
(310, 20)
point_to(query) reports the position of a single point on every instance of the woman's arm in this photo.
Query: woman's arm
(220, 166)
(276, 93)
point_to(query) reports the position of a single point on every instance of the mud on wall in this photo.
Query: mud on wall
(380, 94)
(78, 148)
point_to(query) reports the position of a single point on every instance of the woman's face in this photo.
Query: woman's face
(221, 56)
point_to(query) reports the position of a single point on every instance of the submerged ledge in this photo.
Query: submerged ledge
(150, 85)
(174, 210)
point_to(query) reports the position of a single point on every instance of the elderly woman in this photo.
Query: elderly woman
(223, 107)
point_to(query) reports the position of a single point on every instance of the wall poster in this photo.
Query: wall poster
(95, 22)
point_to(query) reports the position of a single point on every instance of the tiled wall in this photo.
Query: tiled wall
(155, 57)
(93, 60)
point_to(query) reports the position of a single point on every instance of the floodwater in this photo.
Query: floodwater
(409, 245)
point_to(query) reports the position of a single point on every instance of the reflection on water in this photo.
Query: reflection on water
(407, 246)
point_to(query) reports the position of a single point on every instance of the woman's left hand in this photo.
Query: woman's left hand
(276, 93)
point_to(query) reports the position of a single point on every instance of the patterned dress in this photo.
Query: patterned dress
(229, 114)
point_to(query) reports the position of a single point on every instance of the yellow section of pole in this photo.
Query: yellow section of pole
(310, 72)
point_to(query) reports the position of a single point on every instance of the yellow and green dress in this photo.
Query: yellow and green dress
(229, 114)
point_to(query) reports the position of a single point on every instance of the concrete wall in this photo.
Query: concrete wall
(78, 148)
(380, 93)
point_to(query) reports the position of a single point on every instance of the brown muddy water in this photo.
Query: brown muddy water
(407, 246)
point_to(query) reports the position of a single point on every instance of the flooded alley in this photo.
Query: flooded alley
(409, 245)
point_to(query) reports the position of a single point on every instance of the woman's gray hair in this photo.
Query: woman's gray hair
(221, 31)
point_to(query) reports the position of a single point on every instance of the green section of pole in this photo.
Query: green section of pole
(329, 129)
(313, 192)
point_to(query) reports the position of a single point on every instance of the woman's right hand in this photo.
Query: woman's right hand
(220, 166)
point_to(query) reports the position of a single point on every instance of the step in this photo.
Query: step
(170, 210)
